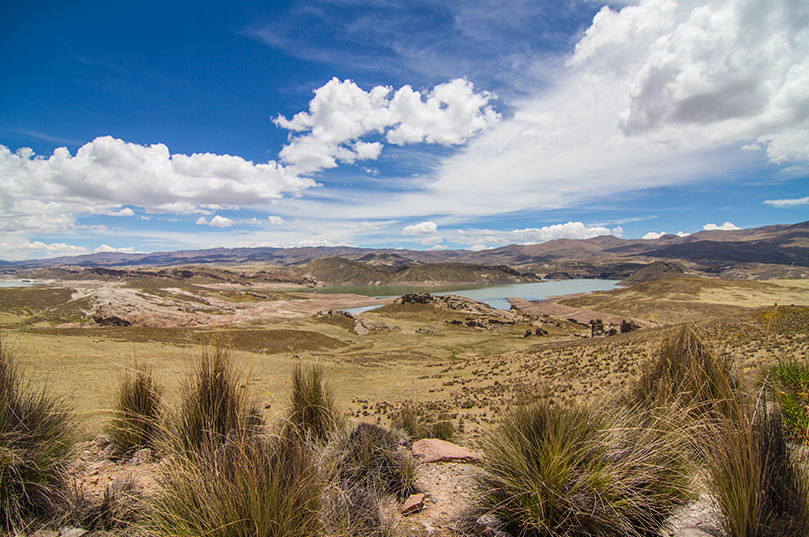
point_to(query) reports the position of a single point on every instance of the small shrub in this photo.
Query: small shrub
(213, 403)
(371, 457)
(570, 471)
(312, 410)
(137, 411)
(246, 485)
(36, 439)
(687, 374)
(418, 423)
(791, 381)
(759, 487)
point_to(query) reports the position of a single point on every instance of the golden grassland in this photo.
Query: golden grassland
(467, 373)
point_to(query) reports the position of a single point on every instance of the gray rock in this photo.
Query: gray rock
(72, 532)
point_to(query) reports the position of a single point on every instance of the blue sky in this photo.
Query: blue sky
(424, 124)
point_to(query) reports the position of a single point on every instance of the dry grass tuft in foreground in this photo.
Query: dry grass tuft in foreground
(312, 409)
(245, 485)
(575, 471)
(214, 403)
(137, 411)
(36, 439)
(759, 485)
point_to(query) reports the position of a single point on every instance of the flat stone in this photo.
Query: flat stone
(72, 532)
(413, 504)
(435, 450)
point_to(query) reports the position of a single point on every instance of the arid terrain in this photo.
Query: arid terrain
(449, 358)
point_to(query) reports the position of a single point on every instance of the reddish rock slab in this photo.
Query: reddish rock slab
(413, 504)
(435, 450)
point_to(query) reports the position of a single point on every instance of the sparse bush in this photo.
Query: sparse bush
(213, 403)
(686, 374)
(312, 410)
(791, 380)
(371, 457)
(137, 411)
(36, 438)
(418, 423)
(246, 485)
(758, 484)
(571, 471)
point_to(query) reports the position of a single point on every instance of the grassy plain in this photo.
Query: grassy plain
(470, 374)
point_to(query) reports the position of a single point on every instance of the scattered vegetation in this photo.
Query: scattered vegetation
(137, 411)
(312, 408)
(573, 471)
(36, 439)
(419, 423)
(685, 373)
(791, 380)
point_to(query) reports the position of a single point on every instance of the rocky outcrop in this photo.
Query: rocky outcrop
(434, 450)
(659, 270)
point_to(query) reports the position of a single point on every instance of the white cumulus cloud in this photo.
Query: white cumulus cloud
(275, 220)
(656, 235)
(104, 248)
(341, 113)
(788, 202)
(422, 228)
(46, 193)
(221, 221)
(660, 93)
(569, 230)
(727, 226)
(202, 221)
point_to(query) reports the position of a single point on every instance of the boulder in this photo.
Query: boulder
(435, 450)
(413, 504)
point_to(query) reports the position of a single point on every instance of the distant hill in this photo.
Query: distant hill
(606, 257)
(339, 270)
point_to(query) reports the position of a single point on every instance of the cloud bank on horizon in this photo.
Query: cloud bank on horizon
(655, 94)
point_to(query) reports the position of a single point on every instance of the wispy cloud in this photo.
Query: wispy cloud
(788, 202)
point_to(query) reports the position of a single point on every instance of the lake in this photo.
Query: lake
(21, 283)
(496, 295)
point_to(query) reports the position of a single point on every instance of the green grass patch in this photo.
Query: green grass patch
(792, 384)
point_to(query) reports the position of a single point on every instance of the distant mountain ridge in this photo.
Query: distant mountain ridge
(775, 244)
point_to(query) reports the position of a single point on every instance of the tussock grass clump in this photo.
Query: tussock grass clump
(791, 380)
(214, 404)
(137, 411)
(36, 439)
(312, 410)
(573, 471)
(418, 423)
(247, 485)
(760, 488)
(686, 374)
(371, 457)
